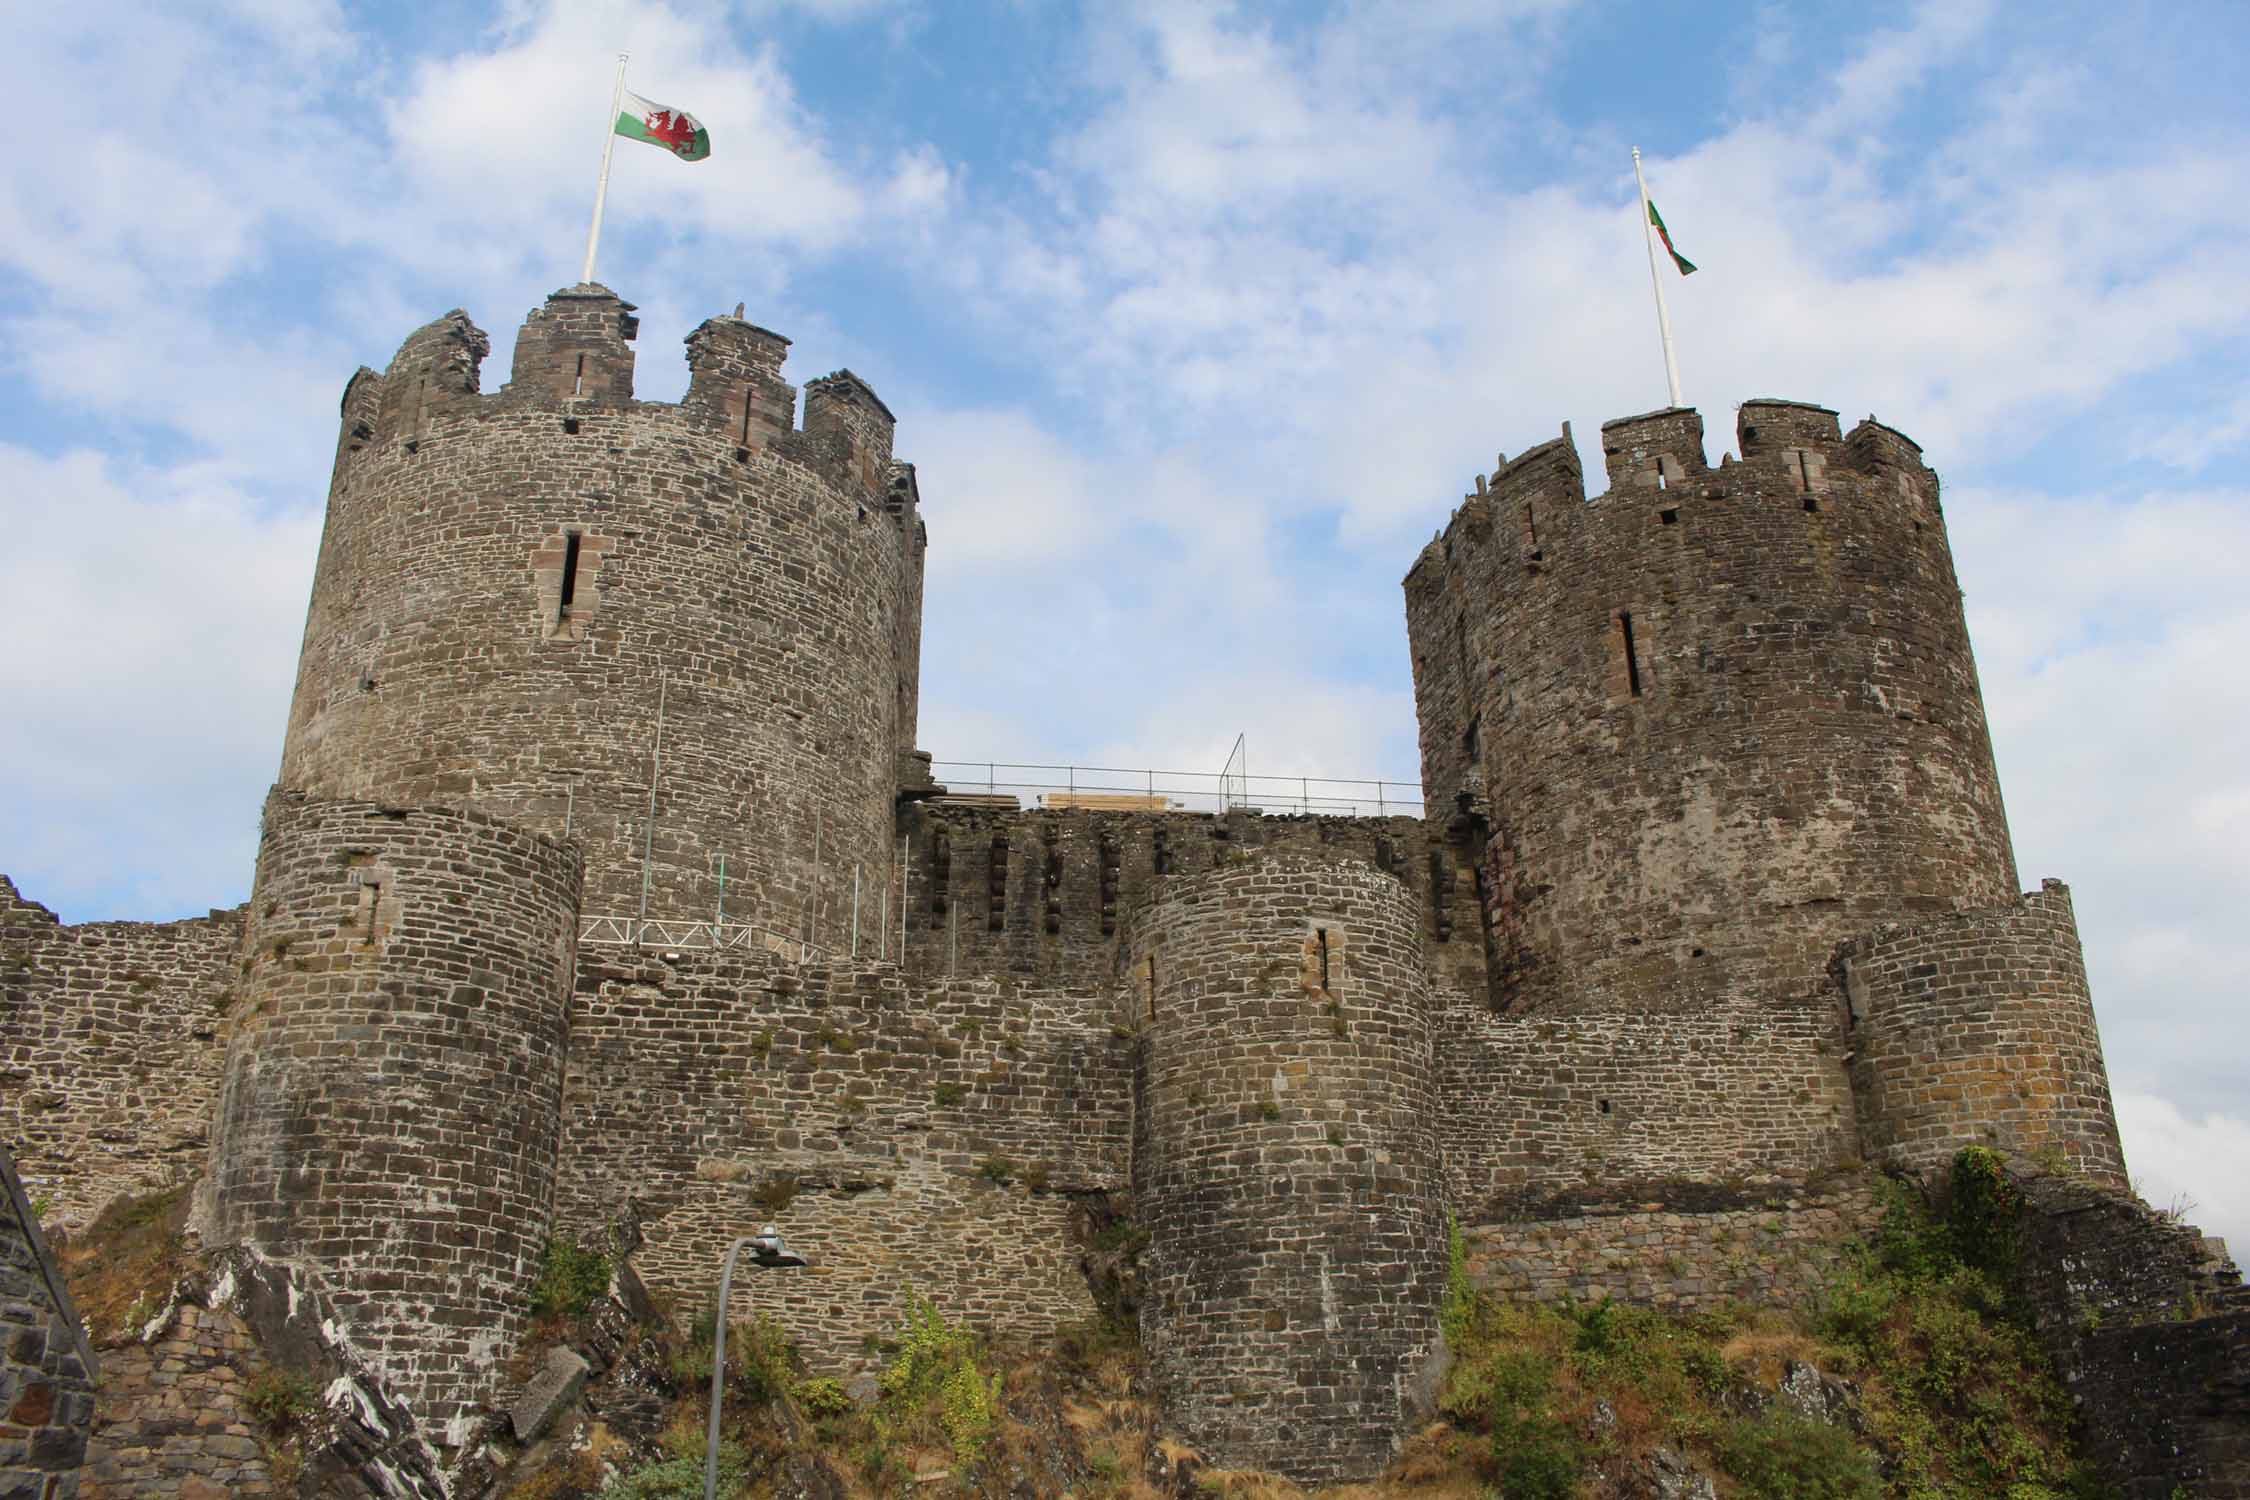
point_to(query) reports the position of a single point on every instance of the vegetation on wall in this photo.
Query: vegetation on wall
(1912, 1378)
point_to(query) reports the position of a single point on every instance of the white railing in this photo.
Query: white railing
(1178, 791)
(692, 937)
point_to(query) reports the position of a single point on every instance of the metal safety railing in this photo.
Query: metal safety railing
(681, 935)
(1119, 789)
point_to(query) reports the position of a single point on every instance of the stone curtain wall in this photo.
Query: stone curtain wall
(1284, 1162)
(1045, 893)
(47, 1373)
(393, 1090)
(1777, 1248)
(907, 1134)
(1565, 1109)
(1978, 1030)
(173, 1421)
(2149, 1327)
(1723, 720)
(111, 1045)
(737, 582)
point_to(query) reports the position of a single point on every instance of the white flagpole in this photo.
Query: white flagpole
(609, 144)
(1648, 233)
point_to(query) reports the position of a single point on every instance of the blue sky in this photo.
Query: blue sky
(1198, 321)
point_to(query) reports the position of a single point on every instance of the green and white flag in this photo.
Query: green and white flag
(675, 130)
(1687, 267)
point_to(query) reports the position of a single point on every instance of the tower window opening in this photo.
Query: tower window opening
(569, 578)
(1804, 473)
(1530, 533)
(1471, 740)
(1605, 1106)
(744, 438)
(1152, 986)
(1322, 932)
(578, 381)
(1812, 506)
(370, 900)
(1632, 653)
(1663, 480)
(570, 426)
(1668, 517)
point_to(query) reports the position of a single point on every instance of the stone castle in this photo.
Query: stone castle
(604, 880)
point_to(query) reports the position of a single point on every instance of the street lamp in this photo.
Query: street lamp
(766, 1252)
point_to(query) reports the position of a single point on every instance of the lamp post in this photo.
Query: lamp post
(766, 1252)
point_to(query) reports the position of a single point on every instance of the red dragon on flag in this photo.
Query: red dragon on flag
(675, 130)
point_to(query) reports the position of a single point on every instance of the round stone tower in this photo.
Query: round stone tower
(1711, 724)
(1977, 1029)
(681, 634)
(392, 1098)
(1285, 1161)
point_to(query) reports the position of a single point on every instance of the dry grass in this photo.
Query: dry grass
(1763, 1351)
(122, 1267)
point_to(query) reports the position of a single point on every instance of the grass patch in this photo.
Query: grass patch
(122, 1267)
(570, 1280)
(1955, 1401)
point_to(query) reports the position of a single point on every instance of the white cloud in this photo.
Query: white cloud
(154, 621)
(2193, 1164)
(1010, 493)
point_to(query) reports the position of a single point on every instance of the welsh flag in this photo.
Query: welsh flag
(675, 130)
(1687, 267)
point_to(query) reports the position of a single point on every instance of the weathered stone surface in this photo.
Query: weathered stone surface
(393, 1086)
(1979, 1029)
(2150, 1331)
(47, 1372)
(111, 1040)
(1715, 721)
(1774, 1247)
(1284, 1161)
(556, 1385)
(744, 601)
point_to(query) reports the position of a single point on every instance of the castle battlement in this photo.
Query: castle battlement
(574, 367)
(525, 597)
(1587, 673)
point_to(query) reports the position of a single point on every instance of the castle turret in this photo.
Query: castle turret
(1285, 1161)
(393, 1088)
(679, 634)
(1717, 720)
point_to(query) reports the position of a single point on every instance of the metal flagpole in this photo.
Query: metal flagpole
(609, 145)
(1663, 318)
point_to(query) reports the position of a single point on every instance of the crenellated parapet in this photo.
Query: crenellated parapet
(685, 634)
(578, 347)
(1715, 720)
(845, 408)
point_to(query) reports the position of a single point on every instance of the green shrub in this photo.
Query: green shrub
(946, 1095)
(569, 1279)
(759, 1358)
(937, 1381)
(682, 1478)
(822, 1396)
(997, 1169)
(1785, 1456)
(1982, 1212)
(1458, 1311)
(278, 1400)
